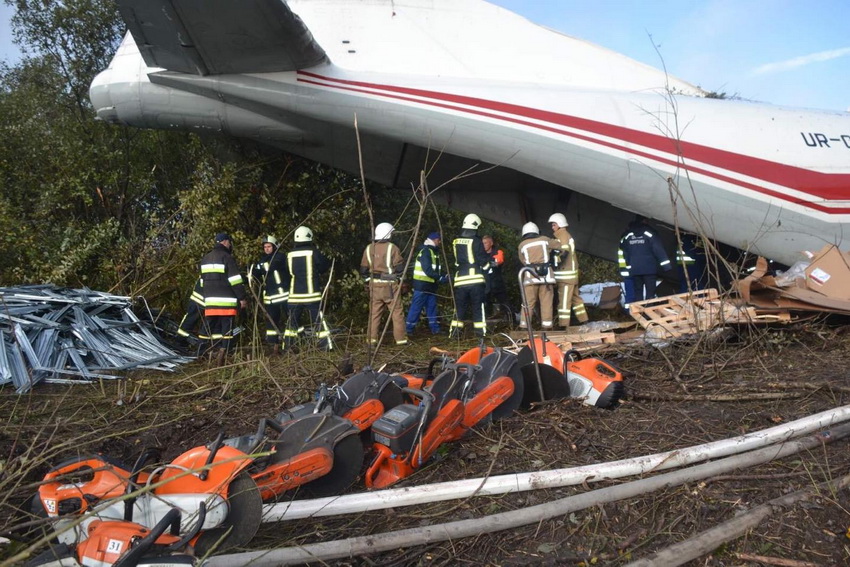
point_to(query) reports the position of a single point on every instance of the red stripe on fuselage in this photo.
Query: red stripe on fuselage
(820, 185)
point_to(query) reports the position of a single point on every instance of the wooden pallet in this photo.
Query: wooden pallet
(689, 313)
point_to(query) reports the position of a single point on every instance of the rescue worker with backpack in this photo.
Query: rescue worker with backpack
(566, 274)
(305, 263)
(224, 292)
(428, 273)
(381, 268)
(272, 273)
(471, 263)
(536, 251)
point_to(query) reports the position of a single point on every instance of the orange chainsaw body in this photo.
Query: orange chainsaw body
(292, 473)
(388, 468)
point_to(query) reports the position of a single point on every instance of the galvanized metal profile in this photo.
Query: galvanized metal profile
(66, 336)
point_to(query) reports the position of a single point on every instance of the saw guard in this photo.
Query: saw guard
(226, 465)
(474, 355)
(364, 415)
(482, 405)
(292, 473)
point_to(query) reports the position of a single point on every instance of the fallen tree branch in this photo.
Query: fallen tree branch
(781, 562)
(713, 538)
(743, 397)
(364, 545)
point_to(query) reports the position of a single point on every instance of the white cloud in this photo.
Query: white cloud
(801, 61)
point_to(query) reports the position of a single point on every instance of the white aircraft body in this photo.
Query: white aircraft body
(443, 85)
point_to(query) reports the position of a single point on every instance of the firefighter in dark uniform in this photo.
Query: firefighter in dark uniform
(628, 281)
(471, 263)
(272, 273)
(497, 292)
(427, 275)
(194, 314)
(224, 293)
(644, 255)
(305, 263)
(381, 268)
(690, 263)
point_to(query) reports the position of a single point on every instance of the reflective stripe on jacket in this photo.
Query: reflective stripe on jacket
(534, 252)
(305, 263)
(380, 261)
(273, 274)
(567, 269)
(470, 259)
(222, 283)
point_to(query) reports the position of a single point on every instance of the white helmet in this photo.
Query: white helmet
(383, 231)
(559, 219)
(303, 234)
(530, 228)
(472, 221)
(270, 240)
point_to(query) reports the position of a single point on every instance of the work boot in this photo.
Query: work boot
(220, 354)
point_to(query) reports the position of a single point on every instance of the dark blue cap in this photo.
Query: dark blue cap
(222, 236)
(434, 236)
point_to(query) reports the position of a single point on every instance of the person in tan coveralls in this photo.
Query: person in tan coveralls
(381, 267)
(534, 252)
(566, 274)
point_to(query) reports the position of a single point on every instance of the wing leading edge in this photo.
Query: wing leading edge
(214, 37)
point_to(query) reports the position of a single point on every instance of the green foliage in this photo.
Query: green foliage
(132, 211)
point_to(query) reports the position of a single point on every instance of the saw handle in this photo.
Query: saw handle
(427, 399)
(136, 552)
(140, 463)
(175, 529)
(214, 447)
(265, 423)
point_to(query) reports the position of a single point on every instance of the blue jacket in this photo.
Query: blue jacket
(643, 251)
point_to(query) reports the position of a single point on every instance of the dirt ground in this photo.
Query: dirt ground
(682, 395)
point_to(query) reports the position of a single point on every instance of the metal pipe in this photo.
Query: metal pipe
(527, 314)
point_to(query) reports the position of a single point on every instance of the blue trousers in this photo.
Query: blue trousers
(423, 300)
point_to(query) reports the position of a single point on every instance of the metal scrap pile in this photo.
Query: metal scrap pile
(58, 335)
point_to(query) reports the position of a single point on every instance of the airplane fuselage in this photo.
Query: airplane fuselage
(758, 177)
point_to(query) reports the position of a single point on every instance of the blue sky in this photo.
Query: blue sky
(788, 52)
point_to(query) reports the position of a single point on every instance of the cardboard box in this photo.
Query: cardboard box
(829, 273)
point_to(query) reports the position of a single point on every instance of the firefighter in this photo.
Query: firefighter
(535, 251)
(272, 273)
(428, 273)
(381, 268)
(471, 263)
(644, 256)
(305, 264)
(224, 293)
(690, 263)
(194, 315)
(566, 274)
(497, 292)
(628, 281)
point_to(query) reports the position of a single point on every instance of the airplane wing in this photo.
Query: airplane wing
(213, 37)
